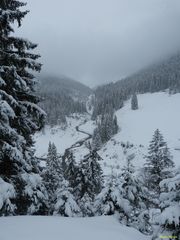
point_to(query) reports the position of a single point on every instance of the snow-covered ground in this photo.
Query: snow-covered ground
(157, 110)
(57, 228)
(88, 126)
(63, 138)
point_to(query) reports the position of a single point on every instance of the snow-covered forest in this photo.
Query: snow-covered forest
(85, 163)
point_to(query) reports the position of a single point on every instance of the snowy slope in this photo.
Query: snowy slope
(157, 110)
(56, 228)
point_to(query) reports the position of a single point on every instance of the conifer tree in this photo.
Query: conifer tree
(110, 200)
(107, 126)
(20, 117)
(93, 173)
(136, 194)
(53, 174)
(86, 205)
(134, 102)
(80, 188)
(115, 125)
(65, 203)
(89, 180)
(49, 151)
(169, 218)
(71, 169)
(158, 162)
(96, 140)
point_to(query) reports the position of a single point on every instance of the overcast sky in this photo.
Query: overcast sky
(98, 41)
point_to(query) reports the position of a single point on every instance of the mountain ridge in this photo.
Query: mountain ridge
(63, 83)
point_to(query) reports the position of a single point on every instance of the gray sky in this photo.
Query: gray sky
(98, 41)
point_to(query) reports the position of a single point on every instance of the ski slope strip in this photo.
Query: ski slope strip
(156, 110)
(55, 228)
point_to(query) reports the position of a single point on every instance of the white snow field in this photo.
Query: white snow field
(59, 228)
(156, 110)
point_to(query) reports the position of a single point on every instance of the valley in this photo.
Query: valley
(133, 129)
(89, 120)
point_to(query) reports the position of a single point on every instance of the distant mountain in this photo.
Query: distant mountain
(157, 77)
(62, 97)
(64, 84)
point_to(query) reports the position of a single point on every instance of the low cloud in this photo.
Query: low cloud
(98, 41)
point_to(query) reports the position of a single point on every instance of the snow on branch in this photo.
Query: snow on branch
(7, 192)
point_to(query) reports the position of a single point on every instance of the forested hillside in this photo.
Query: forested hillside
(62, 96)
(158, 77)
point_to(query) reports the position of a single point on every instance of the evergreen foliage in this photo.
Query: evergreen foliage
(93, 173)
(20, 117)
(86, 205)
(169, 218)
(110, 200)
(53, 174)
(134, 102)
(71, 169)
(63, 106)
(158, 162)
(96, 140)
(126, 196)
(65, 203)
(65, 95)
(159, 77)
(7, 195)
(107, 126)
(137, 195)
(89, 176)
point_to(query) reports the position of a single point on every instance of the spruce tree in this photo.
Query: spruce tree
(169, 218)
(65, 202)
(80, 188)
(93, 173)
(53, 174)
(158, 163)
(111, 200)
(71, 169)
(89, 180)
(115, 125)
(20, 117)
(136, 194)
(96, 140)
(107, 126)
(134, 102)
(130, 188)
(86, 205)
